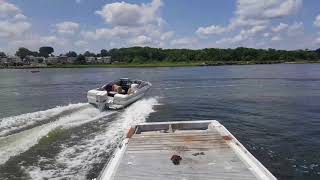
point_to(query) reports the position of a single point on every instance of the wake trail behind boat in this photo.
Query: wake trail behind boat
(190, 87)
(17, 143)
(76, 160)
(15, 124)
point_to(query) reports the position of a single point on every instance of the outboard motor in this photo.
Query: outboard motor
(98, 98)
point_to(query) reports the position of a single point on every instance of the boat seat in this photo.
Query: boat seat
(112, 93)
(133, 88)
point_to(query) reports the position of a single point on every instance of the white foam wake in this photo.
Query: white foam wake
(77, 160)
(191, 87)
(15, 123)
(20, 142)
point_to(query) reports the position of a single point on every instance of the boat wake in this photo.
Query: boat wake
(60, 117)
(11, 125)
(75, 161)
(191, 87)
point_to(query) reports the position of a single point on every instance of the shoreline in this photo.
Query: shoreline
(159, 64)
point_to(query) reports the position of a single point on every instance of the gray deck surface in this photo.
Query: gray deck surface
(148, 157)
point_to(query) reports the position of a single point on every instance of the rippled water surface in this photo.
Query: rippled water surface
(47, 130)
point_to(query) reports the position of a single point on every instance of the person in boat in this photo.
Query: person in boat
(124, 86)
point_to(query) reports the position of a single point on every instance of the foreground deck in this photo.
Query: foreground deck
(195, 150)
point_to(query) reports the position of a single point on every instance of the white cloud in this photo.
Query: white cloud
(50, 40)
(281, 9)
(81, 43)
(15, 31)
(132, 24)
(317, 21)
(115, 32)
(232, 40)
(210, 30)
(259, 35)
(126, 14)
(140, 41)
(167, 35)
(253, 12)
(7, 9)
(12, 21)
(281, 27)
(12, 29)
(67, 27)
(244, 35)
(144, 35)
(253, 25)
(185, 42)
(20, 17)
(254, 30)
(78, 1)
(276, 38)
(266, 34)
(317, 41)
(295, 29)
(35, 41)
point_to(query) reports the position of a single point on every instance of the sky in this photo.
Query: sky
(81, 25)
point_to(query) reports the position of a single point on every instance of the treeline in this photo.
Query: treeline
(47, 51)
(208, 55)
(211, 55)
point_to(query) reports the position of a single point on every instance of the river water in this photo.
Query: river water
(48, 131)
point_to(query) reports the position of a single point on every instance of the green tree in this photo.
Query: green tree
(23, 52)
(88, 54)
(71, 54)
(2, 54)
(81, 59)
(103, 53)
(46, 51)
(35, 53)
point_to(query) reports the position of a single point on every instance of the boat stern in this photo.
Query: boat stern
(98, 98)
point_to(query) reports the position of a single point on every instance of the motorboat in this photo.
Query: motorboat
(118, 94)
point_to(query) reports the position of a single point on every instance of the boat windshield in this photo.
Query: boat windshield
(124, 82)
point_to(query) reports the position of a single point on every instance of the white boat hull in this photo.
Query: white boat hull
(103, 100)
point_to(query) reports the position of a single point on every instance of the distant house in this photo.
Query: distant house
(16, 60)
(4, 61)
(104, 60)
(52, 60)
(57, 60)
(11, 61)
(91, 60)
(71, 60)
(63, 59)
(35, 61)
